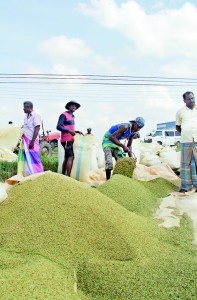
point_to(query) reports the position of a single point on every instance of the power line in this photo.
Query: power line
(94, 83)
(100, 79)
(97, 75)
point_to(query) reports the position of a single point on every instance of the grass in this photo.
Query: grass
(9, 169)
(50, 163)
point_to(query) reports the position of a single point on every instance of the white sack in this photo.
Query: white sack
(9, 137)
(3, 193)
(150, 160)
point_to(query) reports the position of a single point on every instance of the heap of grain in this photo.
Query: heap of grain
(137, 196)
(60, 239)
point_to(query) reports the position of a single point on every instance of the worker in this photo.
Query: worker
(112, 145)
(29, 161)
(66, 124)
(186, 124)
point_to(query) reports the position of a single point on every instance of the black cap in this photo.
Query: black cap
(72, 103)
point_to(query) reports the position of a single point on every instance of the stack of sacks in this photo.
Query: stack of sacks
(149, 154)
(168, 155)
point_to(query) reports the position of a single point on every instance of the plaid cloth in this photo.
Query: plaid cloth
(188, 166)
(29, 161)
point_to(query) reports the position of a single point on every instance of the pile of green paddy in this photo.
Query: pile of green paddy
(60, 239)
(137, 196)
(125, 166)
(142, 198)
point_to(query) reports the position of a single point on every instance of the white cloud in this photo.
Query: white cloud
(70, 56)
(168, 32)
(61, 48)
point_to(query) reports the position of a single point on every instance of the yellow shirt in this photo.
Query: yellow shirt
(187, 119)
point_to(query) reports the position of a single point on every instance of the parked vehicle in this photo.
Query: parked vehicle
(166, 134)
(167, 137)
(48, 141)
(148, 137)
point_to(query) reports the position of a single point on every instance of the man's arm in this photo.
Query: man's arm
(119, 132)
(60, 125)
(129, 144)
(36, 131)
(80, 132)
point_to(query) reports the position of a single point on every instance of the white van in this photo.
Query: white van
(165, 137)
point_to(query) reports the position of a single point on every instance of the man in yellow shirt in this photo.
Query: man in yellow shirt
(186, 124)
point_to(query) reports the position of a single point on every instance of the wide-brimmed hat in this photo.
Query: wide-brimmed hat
(72, 103)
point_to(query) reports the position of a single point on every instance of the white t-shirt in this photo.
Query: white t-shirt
(187, 119)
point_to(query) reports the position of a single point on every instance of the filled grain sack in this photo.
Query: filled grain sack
(7, 155)
(3, 193)
(151, 148)
(171, 157)
(100, 158)
(93, 160)
(84, 160)
(166, 149)
(100, 154)
(150, 160)
(60, 156)
(85, 157)
(136, 149)
(9, 137)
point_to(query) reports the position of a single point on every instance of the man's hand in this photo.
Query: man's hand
(79, 132)
(130, 153)
(31, 145)
(72, 132)
(125, 148)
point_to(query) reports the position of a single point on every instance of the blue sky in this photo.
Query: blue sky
(106, 37)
